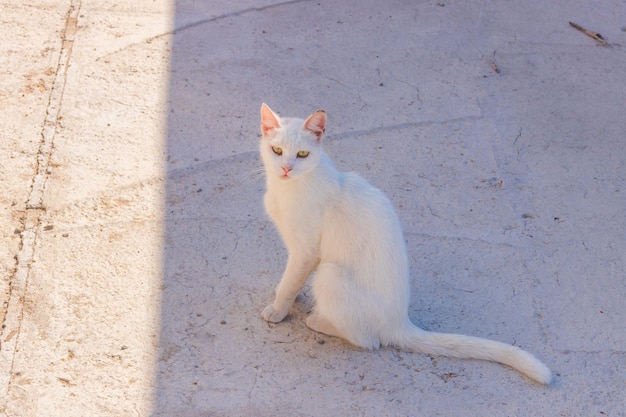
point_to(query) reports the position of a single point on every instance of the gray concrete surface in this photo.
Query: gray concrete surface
(136, 257)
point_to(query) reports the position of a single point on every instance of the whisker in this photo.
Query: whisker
(255, 175)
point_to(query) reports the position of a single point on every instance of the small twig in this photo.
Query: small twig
(493, 65)
(593, 35)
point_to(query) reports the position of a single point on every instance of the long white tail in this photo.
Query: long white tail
(467, 347)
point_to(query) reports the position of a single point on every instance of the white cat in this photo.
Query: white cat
(347, 231)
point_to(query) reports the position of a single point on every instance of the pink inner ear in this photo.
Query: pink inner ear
(316, 124)
(269, 120)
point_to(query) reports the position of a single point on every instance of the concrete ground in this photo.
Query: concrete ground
(135, 256)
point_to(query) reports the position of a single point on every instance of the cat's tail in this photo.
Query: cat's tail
(468, 347)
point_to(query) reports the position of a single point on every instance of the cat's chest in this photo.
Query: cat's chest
(297, 218)
(289, 209)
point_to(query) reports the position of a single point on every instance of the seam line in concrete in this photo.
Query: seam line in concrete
(35, 200)
(10, 332)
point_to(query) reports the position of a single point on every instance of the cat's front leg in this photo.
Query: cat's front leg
(298, 269)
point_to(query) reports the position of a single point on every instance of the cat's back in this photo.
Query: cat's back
(362, 234)
(364, 198)
(362, 213)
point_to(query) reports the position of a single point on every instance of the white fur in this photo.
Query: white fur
(347, 231)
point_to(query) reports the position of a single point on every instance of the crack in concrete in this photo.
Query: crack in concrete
(346, 86)
(545, 334)
(35, 209)
(418, 93)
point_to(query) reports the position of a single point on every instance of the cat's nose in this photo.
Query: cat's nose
(286, 168)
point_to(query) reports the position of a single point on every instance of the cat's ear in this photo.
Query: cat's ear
(316, 124)
(269, 120)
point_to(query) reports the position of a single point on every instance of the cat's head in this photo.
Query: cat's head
(291, 148)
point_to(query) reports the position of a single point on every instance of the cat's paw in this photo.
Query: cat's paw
(272, 315)
(321, 325)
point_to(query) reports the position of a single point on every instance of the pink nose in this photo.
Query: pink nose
(286, 168)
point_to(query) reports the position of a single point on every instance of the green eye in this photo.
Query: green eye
(277, 150)
(303, 154)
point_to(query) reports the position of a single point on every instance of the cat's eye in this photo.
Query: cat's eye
(303, 154)
(277, 150)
